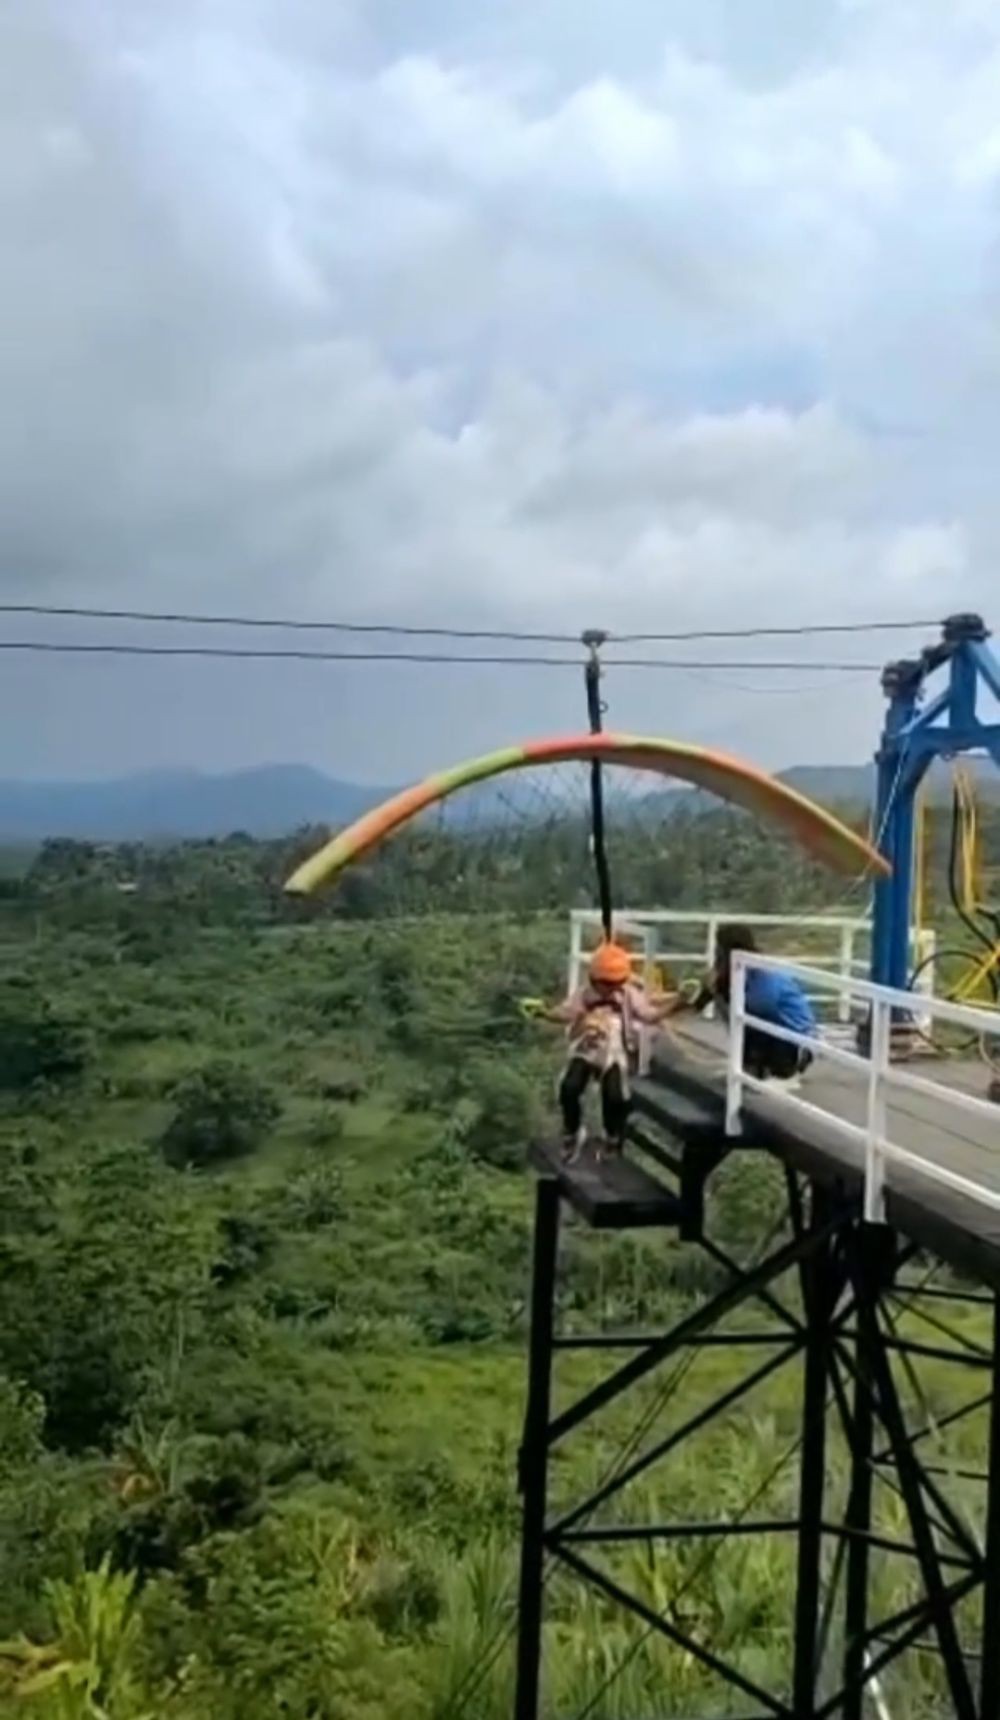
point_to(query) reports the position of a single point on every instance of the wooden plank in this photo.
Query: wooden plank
(651, 1147)
(692, 1120)
(611, 1193)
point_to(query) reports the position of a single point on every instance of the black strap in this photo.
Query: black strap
(595, 712)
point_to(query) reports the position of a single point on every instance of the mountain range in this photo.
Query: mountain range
(272, 800)
(268, 800)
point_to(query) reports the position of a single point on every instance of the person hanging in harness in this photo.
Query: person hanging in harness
(771, 996)
(601, 1021)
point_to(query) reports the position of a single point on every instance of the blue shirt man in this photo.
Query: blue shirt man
(771, 996)
(778, 997)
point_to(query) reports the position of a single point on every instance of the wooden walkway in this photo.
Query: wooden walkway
(692, 1062)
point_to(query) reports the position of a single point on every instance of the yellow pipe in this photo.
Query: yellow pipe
(920, 832)
(971, 845)
(968, 840)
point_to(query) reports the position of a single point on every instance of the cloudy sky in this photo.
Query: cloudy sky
(530, 314)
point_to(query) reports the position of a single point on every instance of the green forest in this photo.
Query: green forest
(264, 1264)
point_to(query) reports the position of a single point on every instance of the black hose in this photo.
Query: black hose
(931, 961)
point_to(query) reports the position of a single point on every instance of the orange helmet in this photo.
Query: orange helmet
(610, 965)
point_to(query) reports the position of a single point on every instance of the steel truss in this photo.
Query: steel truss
(842, 1327)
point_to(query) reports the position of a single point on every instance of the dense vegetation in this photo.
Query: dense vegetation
(264, 1238)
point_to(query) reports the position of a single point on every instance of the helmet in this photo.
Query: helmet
(610, 965)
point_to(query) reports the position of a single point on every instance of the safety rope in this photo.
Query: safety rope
(595, 713)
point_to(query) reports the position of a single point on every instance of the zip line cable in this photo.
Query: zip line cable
(267, 653)
(85, 612)
(800, 631)
(287, 624)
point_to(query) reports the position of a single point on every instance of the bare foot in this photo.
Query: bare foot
(573, 1146)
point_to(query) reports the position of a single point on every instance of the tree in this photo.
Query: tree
(39, 1043)
(93, 1301)
(222, 1111)
(507, 1115)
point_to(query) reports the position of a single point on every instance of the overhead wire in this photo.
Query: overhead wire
(93, 612)
(797, 631)
(264, 653)
(860, 672)
(876, 836)
(286, 624)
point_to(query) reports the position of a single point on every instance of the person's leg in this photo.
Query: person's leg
(755, 1046)
(571, 1090)
(764, 1056)
(615, 1107)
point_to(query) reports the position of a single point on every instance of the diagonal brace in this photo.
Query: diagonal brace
(665, 1626)
(729, 1297)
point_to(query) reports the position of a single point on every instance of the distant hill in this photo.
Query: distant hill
(833, 784)
(855, 784)
(272, 800)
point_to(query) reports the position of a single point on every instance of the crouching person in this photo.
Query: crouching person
(771, 996)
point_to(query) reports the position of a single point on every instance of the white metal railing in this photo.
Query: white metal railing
(882, 1077)
(847, 939)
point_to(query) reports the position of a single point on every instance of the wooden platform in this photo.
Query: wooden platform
(611, 1193)
(688, 1082)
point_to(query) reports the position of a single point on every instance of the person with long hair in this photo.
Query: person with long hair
(771, 996)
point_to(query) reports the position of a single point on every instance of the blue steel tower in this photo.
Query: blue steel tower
(917, 731)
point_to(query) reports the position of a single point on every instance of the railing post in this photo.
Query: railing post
(878, 1054)
(575, 946)
(923, 958)
(711, 953)
(846, 973)
(737, 1035)
(650, 943)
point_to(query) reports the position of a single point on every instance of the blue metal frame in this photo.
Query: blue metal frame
(916, 734)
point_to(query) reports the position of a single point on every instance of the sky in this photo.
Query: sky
(522, 314)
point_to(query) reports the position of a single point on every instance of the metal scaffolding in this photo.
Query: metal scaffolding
(832, 1291)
